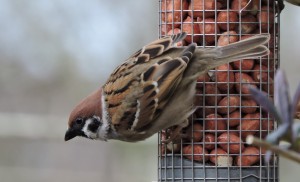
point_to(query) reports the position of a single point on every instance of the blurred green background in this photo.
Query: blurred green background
(52, 54)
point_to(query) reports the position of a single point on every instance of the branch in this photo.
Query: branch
(294, 156)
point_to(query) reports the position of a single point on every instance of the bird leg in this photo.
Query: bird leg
(176, 134)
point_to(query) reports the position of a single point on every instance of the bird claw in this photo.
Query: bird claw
(176, 135)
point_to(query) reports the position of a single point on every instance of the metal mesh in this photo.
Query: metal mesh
(213, 146)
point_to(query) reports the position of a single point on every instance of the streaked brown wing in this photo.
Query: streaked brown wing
(137, 89)
(146, 54)
(158, 84)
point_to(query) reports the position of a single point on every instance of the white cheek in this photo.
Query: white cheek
(86, 131)
(103, 129)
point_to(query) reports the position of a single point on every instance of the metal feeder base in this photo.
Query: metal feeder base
(184, 170)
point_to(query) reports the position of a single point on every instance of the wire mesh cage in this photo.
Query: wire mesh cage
(212, 146)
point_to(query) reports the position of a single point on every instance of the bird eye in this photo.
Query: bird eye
(79, 121)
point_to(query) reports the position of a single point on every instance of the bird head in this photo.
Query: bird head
(85, 119)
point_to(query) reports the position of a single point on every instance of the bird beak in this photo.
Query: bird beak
(69, 134)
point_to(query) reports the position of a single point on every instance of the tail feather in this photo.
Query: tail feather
(207, 59)
(252, 47)
(252, 53)
(244, 45)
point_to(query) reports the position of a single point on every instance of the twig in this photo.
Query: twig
(294, 156)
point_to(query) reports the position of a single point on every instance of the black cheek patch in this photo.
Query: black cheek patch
(93, 127)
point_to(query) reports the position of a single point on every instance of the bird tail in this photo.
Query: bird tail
(207, 59)
(252, 47)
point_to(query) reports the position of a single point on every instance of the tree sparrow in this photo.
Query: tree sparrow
(153, 89)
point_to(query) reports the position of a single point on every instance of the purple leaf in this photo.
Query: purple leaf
(268, 153)
(263, 100)
(276, 135)
(296, 99)
(268, 156)
(282, 99)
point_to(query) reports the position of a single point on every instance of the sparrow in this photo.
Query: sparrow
(153, 89)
